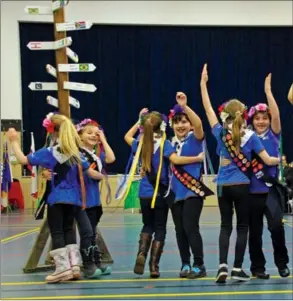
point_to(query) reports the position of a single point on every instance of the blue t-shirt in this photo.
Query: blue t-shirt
(271, 143)
(91, 185)
(146, 189)
(68, 190)
(231, 174)
(188, 147)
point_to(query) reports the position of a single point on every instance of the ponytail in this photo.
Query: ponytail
(236, 130)
(147, 146)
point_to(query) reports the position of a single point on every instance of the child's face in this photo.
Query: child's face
(261, 122)
(182, 127)
(90, 136)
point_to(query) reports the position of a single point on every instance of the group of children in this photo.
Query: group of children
(171, 179)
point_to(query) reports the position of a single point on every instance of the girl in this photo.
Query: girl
(235, 146)
(65, 199)
(188, 205)
(155, 152)
(91, 135)
(267, 125)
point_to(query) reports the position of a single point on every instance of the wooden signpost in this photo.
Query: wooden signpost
(63, 85)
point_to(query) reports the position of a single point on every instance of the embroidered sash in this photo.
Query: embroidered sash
(191, 182)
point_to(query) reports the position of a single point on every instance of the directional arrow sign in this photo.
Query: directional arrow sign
(58, 4)
(76, 67)
(78, 25)
(54, 102)
(72, 55)
(51, 70)
(79, 86)
(38, 86)
(50, 45)
(38, 10)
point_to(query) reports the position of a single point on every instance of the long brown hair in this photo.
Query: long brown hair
(235, 109)
(151, 124)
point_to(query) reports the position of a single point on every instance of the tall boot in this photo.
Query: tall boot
(156, 252)
(143, 249)
(63, 270)
(106, 270)
(89, 267)
(75, 260)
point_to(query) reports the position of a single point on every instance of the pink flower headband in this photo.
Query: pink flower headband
(86, 122)
(48, 123)
(260, 107)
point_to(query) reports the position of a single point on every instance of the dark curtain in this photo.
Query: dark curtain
(144, 66)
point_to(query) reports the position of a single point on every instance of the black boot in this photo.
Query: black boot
(89, 267)
(106, 270)
(143, 249)
(156, 252)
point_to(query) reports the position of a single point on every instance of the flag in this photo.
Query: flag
(6, 176)
(33, 170)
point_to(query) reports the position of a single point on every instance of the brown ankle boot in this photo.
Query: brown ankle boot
(156, 252)
(143, 249)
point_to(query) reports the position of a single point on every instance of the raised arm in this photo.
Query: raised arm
(13, 138)
(182, 160)
(267, 159)
(275, 113)
(130, 134)
(192, 116)
(290, 94)
(110, 156)
(211, 115)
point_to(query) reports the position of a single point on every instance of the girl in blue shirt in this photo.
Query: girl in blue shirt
(66, 195)
(186, 211)
(91, 136)
(235, 147)
(156, 152)
(267, 126)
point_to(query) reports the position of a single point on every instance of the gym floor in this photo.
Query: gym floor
(120, 231)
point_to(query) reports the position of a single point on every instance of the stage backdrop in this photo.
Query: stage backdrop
(144, 66)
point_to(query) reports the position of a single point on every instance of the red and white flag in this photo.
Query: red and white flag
(33, 170)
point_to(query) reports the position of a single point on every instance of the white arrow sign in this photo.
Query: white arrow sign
(38, 86)
(50, 45)
(72, 55)
(79, 86)
(58, 4)
(54, 102)
(76, 67)
(78, 25)
(51, 70)
(38, 10)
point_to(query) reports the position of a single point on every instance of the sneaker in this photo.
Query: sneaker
(222, 275)
(197, 272)
(185, 270)
(239, 275)
(284, 272)
(260, 275)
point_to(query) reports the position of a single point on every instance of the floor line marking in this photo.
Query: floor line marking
(19, 235)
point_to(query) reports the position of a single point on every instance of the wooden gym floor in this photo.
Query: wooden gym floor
(120, 231)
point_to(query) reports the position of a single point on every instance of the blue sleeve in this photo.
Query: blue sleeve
(168, 149)
(257, 145)
(42, 157)
(216, 130)
(134, 146)
(103, 157)
(198, 142)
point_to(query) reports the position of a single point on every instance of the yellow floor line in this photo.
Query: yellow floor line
(114, 296)
(118, 281)
(19, 235)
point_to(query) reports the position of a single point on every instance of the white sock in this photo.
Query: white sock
(236, 270)
(223, 265)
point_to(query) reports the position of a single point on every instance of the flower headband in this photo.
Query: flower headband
(163, 125)
(48, 123)
(80, 126)
(260, 107)
(224, 114)
(177, 109)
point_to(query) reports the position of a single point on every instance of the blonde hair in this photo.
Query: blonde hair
(235, 109)
(151, 124)
(69, 140)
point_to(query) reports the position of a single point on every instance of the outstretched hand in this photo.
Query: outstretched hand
(181, 99)
(268, 87)
(143, 111)
(204, 74)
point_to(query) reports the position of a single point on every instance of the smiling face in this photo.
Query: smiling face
(261, 122)
(181, 125)
(89, 136)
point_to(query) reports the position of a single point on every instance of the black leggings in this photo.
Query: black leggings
(258, 209)
(186, 215)
(154, 220)
(233, 197)
(94, 214)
